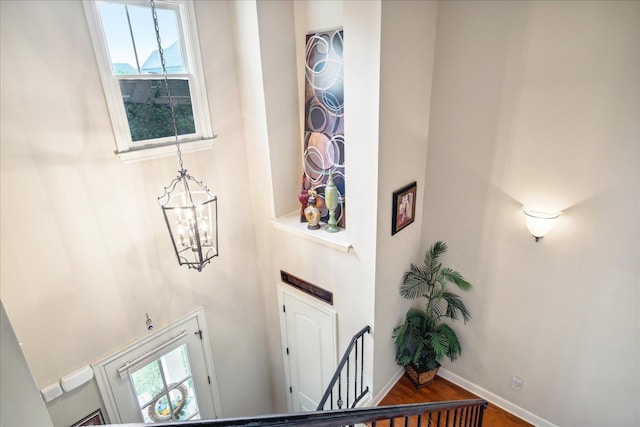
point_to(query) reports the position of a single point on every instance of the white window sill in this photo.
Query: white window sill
(146, 153)
(291, 224)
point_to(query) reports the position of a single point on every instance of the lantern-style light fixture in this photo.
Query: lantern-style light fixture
(190, 209)
(539, 223)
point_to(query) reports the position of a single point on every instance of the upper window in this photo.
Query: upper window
(126, 47)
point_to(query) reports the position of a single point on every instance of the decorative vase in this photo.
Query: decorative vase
(420, 379)
(311, 212)
(331, 199)
(303, 198)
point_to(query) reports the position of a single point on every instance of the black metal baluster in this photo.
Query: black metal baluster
(362, 364)
(419, 420)
(447, 420)
(482, 408)
(355, 373)
(348, 382)
(439, 418)
(339, 391)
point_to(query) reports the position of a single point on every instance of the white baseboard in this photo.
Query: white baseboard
(495, 399)
(387, 387)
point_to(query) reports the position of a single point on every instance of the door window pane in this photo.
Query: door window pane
(190, 411)
(164, 388)
(148, 382)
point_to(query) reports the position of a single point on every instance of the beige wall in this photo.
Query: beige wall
(251, 23)
(537, 103)
(85, 252)
(22, 404)
(406, 63)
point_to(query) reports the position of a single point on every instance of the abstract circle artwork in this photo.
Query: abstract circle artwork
(324, 118)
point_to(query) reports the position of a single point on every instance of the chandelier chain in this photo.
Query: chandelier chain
(166, 80)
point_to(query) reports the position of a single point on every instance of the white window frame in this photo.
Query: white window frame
(126, 149)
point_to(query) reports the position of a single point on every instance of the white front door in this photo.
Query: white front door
(309, 347)
(165, 377)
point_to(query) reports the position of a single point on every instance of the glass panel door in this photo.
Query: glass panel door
(167, 376)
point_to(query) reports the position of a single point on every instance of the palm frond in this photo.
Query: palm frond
(409, 337)
(453, 276)
(436, 308)
(415, 317)
(437, 249)
(454, 349)
(418, 351)
(431, 258)
(415, 283)
(439, 344)
(455, 306)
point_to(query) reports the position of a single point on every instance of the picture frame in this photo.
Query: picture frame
(93, 419)
(404, 207)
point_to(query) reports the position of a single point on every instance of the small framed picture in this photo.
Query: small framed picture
(93, 419)
(404, 207)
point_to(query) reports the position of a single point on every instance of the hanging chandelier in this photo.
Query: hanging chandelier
(190, 209)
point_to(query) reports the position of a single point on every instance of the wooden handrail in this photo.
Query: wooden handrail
(342, 417)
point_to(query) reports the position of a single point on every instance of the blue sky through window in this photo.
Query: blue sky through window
(121, 47)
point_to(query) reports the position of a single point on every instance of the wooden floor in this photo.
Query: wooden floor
(405, 392)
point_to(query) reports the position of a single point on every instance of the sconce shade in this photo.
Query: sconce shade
(191, 213)
(539, 223)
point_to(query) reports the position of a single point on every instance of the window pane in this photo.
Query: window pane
(147, 106)
(116, 31)
(144, 34)
(147, 382)
(131, 38)
(190, 410)
(175, 365)
(158, 411)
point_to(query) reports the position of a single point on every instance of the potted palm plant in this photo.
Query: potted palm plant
(423, 340)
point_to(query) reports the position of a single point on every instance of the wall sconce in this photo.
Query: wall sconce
(539, 223)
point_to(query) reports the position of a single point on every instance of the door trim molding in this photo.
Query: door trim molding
(99, 368)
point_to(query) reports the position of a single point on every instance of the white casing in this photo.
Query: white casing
(51, 392)
(76, 379)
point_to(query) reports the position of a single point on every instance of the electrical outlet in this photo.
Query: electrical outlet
(516, 382)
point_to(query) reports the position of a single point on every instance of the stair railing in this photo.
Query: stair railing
(353, 373)
(467, 413)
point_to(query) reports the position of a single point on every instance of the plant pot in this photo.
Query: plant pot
(420, 379)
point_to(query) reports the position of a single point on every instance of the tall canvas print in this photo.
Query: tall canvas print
(324, 118)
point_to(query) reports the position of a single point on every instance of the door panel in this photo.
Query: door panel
(310, 335)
